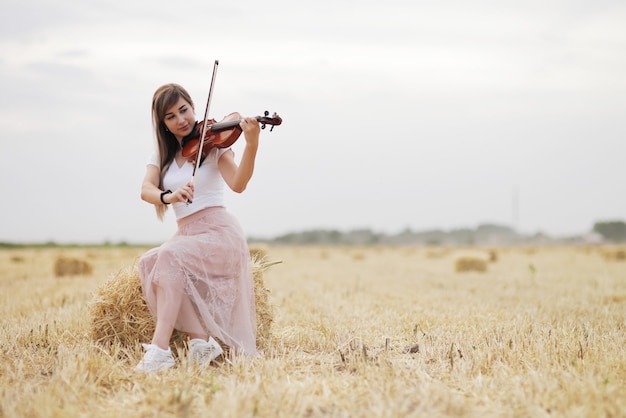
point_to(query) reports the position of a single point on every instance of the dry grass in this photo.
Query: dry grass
(357, 332)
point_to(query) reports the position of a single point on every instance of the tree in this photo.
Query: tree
(613, 231)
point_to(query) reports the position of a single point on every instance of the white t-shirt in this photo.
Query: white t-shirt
(209, 184)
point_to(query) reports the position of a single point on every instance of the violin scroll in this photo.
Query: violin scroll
(264, 120)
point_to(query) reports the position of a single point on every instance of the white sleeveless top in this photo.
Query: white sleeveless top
(209, 184)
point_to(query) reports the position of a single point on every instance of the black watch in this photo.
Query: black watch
(163, 194)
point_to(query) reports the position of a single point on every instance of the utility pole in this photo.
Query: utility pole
(515, 208)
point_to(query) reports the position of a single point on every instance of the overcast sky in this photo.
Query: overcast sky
(397, 114)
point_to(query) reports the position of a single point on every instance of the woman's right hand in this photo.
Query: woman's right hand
(182, 194)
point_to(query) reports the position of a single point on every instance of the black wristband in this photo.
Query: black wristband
(163, 194)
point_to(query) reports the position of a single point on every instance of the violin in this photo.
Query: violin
(221, 134)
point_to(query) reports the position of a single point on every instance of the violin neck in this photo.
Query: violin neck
(224, 126)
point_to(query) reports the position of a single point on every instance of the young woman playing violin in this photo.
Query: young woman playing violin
(200, 280)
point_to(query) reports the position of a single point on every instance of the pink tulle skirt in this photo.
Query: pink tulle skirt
(207, 261)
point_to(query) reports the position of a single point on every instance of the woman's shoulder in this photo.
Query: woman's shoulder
(216, 153)
(154, 159)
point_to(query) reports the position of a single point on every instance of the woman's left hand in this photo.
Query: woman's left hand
(251, 130)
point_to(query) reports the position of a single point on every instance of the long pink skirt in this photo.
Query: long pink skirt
(207, 261)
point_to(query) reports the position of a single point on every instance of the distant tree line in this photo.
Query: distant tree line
(486, 234)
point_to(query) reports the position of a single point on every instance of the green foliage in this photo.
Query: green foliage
(612, 231)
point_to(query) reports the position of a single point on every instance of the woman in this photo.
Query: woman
(200, 280)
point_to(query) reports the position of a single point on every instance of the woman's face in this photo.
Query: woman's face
(180, 119)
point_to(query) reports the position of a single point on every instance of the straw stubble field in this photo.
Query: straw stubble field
(356, 332)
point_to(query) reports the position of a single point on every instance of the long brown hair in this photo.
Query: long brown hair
(164, 98)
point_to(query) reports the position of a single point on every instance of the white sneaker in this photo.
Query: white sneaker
(155, 359)
(204, 352)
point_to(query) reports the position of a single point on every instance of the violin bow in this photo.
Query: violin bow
(204, 125)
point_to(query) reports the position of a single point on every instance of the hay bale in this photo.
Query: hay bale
(120, 317)
(614, 254)
(264, 310)
(67, 266)
(470, 263)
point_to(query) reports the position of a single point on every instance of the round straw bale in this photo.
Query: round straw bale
(614, 254)
(470, 263)
(120, 317)
(68, 266)
(264, 309)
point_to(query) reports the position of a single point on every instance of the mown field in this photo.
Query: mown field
(357, 332)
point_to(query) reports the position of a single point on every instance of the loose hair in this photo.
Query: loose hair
(164, 98)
